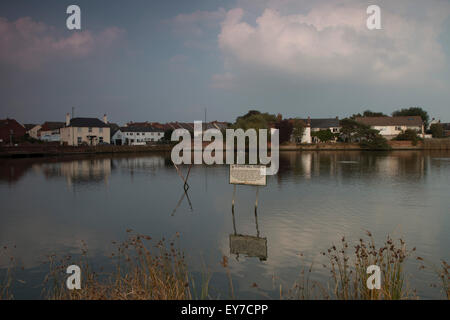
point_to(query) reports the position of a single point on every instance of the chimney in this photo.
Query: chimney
(309, 122)
(67, 119)
(105, 119)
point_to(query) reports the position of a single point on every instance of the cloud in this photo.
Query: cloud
(29, 44)
(222, 81)
(332, 42)
(197, 28)
(198, 22)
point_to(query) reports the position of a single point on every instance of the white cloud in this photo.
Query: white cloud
(331, 41)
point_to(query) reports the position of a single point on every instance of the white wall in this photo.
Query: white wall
(142, 137)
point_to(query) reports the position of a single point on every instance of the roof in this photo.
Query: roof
(10, 122)
(139, 129)
(87, 122)
(113, 128)
(324, 123)
(49, 125)
(391, 121)
(29, 126)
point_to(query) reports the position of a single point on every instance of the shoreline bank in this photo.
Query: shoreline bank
(30, 151)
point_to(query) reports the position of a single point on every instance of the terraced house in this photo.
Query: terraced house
(140, 135)
(85, 131)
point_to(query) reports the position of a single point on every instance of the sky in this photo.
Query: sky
(170, 60)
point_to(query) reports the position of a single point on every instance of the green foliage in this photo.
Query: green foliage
(368, 138)
(415, 111)
(285, 128)
(323, 135)
(254, 120)
(298, 128)
(437, 130)
(167, 136)
(408, 135)
(376, 143)
(368, 113)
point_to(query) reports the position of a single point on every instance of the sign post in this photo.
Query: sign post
(252, 175)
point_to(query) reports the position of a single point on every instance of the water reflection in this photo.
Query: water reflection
(316, 198)
(248, 245)
(410, 164)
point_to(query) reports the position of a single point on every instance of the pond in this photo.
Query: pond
(50, 205)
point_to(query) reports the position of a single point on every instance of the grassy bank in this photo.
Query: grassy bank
(144, 270)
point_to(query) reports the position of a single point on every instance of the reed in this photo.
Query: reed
(7, 276)
(349, 272)
(143, 271)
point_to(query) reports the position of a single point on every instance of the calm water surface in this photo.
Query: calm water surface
(51, 205)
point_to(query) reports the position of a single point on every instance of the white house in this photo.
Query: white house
(137, 135)
(85, 131)
(390, 127)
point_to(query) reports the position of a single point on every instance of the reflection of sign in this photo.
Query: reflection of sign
(248, 174)
(249, 245)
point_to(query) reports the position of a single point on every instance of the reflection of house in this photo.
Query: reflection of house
(86, 171)
(137, 135)
(11, 131)
(85, 131)
(390, 127)
(50, 131)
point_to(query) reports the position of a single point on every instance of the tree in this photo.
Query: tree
(368, 113)
(323, 135)
(414, 111)
(376, 143)
(437, 130)
(298, 128)
(167, 136)
(254, 120)
(286, 129)
(367, 137)
(408, 135)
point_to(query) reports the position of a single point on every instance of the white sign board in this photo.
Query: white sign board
(252, 175)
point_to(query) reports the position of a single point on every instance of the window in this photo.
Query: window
(90, 130)
(79, 140)
(100, 139)
(398, 128)
(100, 130)
(79, 130)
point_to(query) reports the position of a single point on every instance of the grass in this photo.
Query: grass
(349, 272)
(145, 270)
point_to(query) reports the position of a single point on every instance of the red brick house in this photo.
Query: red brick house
(10, 129)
